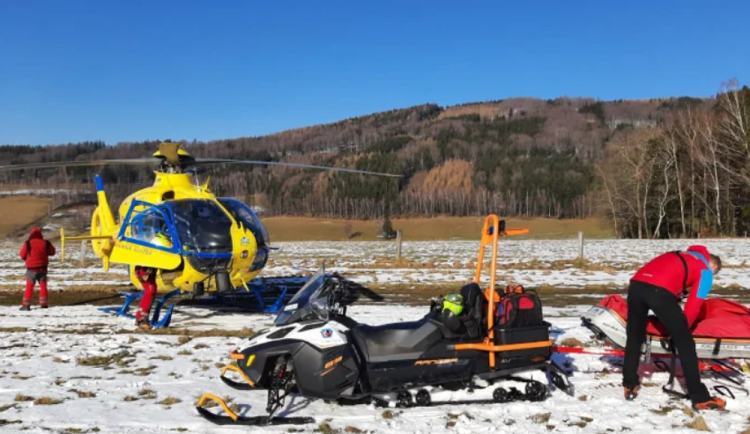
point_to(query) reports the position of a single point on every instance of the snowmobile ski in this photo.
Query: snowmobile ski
(247, 385)
(253, 421)
(232, 418)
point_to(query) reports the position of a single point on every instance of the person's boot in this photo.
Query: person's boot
(25, 308)
(44, 306)
(715, 403)
(142, 323)
(631, 392)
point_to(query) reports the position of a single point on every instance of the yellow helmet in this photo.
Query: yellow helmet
(454, 303)
(161, 240)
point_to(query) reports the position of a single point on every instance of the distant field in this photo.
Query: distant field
(424, 229)
(19, 211)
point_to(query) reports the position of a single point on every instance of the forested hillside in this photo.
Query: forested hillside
(653, 166)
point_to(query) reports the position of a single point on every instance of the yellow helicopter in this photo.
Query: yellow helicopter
(197, 242)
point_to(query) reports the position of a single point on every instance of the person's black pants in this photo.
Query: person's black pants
(641, 298)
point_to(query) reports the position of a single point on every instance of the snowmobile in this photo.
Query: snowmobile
(721, 333)
(316, 350)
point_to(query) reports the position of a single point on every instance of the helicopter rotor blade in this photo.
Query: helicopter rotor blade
(170, 153)
(201, 161)
(365, 291)
(90, 163)
(372, 295)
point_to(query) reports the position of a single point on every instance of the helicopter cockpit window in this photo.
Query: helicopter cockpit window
(202, 225)
(150, 226)
(244, 214)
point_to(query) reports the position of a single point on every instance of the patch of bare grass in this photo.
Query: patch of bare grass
(6, 407)
(13, 329)
(21, 377)
(664, 409)
(169, 401)
(121, 360)
(147, 394)
(23, 398)
(200, 346)
(84, 394)
(699, 424)
(45, 400)
(572, 342)
(165, 358)
(4, 422)
(144, 372)
(540, 418)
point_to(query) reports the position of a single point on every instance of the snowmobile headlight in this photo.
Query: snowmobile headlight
(454, 303)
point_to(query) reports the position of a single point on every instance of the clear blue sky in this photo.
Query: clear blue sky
(134, 70)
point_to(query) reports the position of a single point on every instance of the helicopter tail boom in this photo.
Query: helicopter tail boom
(63, 239)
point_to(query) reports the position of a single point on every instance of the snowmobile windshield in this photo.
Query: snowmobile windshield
(202, 225)
(310, 302)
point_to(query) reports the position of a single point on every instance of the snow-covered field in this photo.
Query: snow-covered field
(146, 383)
(100, 375)
(528, 262)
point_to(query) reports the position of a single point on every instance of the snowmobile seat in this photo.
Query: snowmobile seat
(470, 321)
(397, 341)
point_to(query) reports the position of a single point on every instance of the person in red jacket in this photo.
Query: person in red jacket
(36, 252)
(658, 286)
(147, 276)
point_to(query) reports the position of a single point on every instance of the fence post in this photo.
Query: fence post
(580, 246)
(398, 245)
(83, 254)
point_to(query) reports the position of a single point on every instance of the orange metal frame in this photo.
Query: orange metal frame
(491, 234)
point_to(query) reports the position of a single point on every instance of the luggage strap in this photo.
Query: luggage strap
(28, 246)
(717, 347)
(685, 266)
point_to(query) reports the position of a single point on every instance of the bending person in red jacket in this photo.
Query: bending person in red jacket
(36, 252)
(658, 286)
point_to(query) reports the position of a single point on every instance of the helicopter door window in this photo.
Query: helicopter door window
(151, 227)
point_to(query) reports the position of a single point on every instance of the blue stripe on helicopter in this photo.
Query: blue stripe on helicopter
(99, 183)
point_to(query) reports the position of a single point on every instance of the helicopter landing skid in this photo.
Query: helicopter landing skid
(265, 295)
(155, 321)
